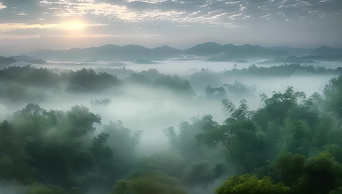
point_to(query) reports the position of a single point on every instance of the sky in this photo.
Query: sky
(62, 24)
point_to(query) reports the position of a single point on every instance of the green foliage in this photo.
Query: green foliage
(36, 84)
(289, 124)
(122, 140)
(185, 141)
(87, 80)
(228, 106)
(6, 167)
(321, 174)
(6, 61)
(215, 93)
(147, 182)
(293, 140)
(280, 70)
(201, 173)
(175, 83)
(152, 74)
(194, 171)
(238, 89)
(333, 95)
(246, 184)
(239, 137)
(335, 150)
(277, 106)
(82, 120)
(45, 189)
(242, 112)
(169, 163)
(49, 148)
(288, 167)
(153, 78)
(336, 191)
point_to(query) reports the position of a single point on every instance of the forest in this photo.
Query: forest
(226, 136)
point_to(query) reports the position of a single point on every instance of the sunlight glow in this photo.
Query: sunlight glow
(74, 25)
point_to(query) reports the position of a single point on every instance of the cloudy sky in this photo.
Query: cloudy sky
(57, 24)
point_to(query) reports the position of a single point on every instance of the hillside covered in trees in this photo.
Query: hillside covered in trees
(290, 143)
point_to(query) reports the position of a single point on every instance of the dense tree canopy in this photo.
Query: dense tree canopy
(290, 144)
(43, 147)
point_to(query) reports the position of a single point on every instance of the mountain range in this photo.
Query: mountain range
(207, 51)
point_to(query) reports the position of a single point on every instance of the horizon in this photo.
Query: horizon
(22, 53)
(33, 25)
(190, 46)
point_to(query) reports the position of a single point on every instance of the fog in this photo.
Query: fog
(155, 115)
(152, 109)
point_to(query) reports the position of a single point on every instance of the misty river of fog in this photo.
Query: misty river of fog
(154, 109)
(175, 66)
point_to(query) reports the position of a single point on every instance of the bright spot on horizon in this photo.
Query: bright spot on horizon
(74, 25)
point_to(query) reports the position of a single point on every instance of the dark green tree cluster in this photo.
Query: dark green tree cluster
(239, 89)
(147, 182)
(219, 79)
(247, 184)
(291, 144)
(282, 70)
(4, 61)
(186, 166)
(87, 80)
(215, 93)
(153, 78)
(60, 152)
(35, 84)
(30, 84)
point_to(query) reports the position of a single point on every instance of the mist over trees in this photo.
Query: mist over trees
(290, 143)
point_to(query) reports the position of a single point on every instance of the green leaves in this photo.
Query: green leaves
(288, 167)
(321, 174)
(82, 120)
(333, 95)
(50, 149)
(147, 182)
(246, 184)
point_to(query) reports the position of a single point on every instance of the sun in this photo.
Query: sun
(74, 25)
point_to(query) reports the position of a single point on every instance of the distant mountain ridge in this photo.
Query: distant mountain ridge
(109, 52)
(210, 50)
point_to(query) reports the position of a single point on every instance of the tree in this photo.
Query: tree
(321, 175)
(186, 142)
(288, 167)
(215, 93)
(200, 173)
(82, 120)
(239, 137)
(246, 184)
(147, 182)
(333, 95)
(175, 83)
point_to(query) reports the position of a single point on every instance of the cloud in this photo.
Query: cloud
(76, 25)
(2, 6)
(170, 17)
(216, 12)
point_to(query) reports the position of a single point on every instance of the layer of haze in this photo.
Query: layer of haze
(153, 109)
